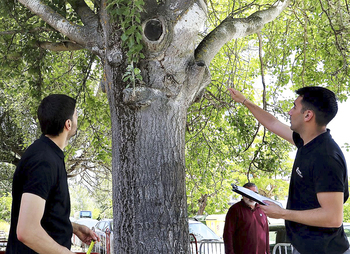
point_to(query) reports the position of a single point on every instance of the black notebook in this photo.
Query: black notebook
(252, 195)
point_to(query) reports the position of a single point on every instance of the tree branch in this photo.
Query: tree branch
(87, 16)
(60, 46)
(233, 28)
(62, 25)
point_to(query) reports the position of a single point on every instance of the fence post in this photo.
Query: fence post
(194, 241)
(108, 241)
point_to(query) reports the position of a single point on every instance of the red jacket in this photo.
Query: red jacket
(246, 231)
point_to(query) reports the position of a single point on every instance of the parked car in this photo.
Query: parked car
(90, 223)
(104, 229)
(205, 241)
(201, 231)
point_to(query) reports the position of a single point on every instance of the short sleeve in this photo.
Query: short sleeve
(40, 177)
(329, 175)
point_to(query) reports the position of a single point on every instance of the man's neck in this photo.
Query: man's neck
(312, 134)
(60, 140)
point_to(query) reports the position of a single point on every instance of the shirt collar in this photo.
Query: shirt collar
(52, 144)
(255, 207)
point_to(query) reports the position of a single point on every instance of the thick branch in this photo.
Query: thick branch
(60, 46)
(62, 25)
(34, 30)
(87, 16)
(233, 28)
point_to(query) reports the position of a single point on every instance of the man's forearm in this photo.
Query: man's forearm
(39, 241)
(29, 229)
(315, 217)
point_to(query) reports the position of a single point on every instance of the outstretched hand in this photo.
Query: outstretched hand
(236, 95)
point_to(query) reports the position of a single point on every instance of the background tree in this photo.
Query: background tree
(148, 116)
(294, 50)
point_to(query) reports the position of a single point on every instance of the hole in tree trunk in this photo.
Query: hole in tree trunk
(153, 30)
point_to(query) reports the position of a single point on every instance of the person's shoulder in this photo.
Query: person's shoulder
(236, 206)
(37, 152)
(328, 148)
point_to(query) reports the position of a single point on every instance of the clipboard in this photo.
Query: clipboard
(252, 195)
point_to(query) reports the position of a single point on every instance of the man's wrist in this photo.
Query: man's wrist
(245, 99)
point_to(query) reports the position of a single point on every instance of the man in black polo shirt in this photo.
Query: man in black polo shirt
(41, 203)
(319, 181)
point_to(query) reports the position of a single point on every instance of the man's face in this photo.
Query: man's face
(296, 116)
(248, 201)
(74, 126)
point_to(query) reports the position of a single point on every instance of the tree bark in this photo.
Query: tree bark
(148, 177)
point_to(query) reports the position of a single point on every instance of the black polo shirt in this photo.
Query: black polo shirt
(42, 172)
(319, 166)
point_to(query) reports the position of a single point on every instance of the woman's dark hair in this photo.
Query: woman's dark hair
(321, 101)
(53, 111)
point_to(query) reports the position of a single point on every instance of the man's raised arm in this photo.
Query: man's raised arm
(265, 118)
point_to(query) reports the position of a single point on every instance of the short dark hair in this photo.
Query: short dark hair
(249, 185)
(53, 111)
(321, 101)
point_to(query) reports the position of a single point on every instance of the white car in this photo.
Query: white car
(204, 240)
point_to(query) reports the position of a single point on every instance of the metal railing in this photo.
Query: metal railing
(202, 247)
(206, 246)
(282, 248)
(104, 246)
(210, 247)
(3, 240)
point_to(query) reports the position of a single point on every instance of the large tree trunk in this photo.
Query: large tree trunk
(148, 133)
(148, 178)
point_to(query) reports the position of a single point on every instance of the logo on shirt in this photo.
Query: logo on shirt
(299, 172)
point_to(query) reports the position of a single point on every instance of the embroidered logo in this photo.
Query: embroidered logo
(299, 172)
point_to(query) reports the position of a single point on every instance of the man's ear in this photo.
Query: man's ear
(68, 124)
(308, 114)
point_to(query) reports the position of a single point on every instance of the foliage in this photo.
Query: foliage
(4, 226)
(128, 15)
(226, 145)
(6, 174)
(346, 214)
(5, 207)
(303, 46)
(224, 142)
(95, 199)
(30, 73)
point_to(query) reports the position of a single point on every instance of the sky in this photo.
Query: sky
(339, 127)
